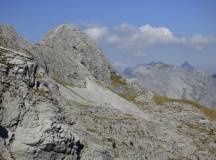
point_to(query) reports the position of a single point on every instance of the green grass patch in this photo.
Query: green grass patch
(210, 113)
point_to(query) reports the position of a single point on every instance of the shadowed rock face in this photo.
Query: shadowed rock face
(3, 133)
(46, 117)
(183, 82)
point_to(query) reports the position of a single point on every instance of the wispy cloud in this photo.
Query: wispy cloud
(120, 66)
(198, 41)
(137, 39)
(96, 32)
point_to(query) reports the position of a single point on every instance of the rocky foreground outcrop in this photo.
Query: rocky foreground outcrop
(31, 117)
(46, 117)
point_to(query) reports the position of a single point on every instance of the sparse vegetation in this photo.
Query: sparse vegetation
(160, 100)
(125, 92)
(200, 128)
(122, 88)
(3, 61)
(1, 157)
(74, 103)
(123, 117)
(109, 139)
(128, 95)
(93, 130)
(1, 107)
(40, 91)
(39, 76)
(115, 118)
(118, 80)
(210, 113)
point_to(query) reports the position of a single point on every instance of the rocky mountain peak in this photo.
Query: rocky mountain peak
(187, 65)
(9, 38)
(214, 75)
(72, 56)
(157, 64)
(65, 27)
(64, 31)
(65, 52)
(7, 31)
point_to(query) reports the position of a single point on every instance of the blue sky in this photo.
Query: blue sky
(129, 31)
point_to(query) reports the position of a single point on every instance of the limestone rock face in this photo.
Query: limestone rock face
(46, 117)
(33, 118)
(72, 56)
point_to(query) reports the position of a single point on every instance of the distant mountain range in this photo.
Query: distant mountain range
(181, 82)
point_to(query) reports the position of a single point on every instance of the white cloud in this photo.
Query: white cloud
(112, 39)
(126, 28)
(136, 40)
(120, 65)
(96, 32)
(199, 41)
(155, 34)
